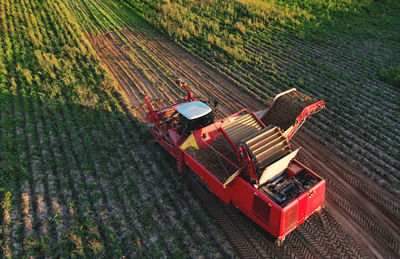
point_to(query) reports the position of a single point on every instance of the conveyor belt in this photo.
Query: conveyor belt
(242, 127)
(267, 145)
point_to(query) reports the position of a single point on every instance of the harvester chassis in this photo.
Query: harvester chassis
(278, 203)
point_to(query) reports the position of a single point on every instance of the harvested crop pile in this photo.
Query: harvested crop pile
(214, 163)
(286, 108)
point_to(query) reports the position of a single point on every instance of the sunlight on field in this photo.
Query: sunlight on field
(81, 177)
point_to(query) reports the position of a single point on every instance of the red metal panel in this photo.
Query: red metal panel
(316, 197)
(261, 208)
(242, 197)
(241, 194)
(307, 111)
(214, 185)
(289, 218)
(211, 132)
(302, 208)
(174, 136)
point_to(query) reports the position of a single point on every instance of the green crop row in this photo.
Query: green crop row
(45, 64)
(390, 75)
(226, 26)
(74, 175)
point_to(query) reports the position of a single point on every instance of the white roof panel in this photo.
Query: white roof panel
(194, 110)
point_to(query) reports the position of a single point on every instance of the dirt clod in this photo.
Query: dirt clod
(286, 108)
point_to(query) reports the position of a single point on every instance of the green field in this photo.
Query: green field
(77, 177)
(228, 26)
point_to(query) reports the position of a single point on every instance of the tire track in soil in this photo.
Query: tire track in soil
(327, 235)
(352, 206)
(242, 245)
(134, 80)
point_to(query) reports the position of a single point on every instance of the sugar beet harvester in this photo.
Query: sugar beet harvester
(245, 159)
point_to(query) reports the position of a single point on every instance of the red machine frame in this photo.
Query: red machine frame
(277, 220)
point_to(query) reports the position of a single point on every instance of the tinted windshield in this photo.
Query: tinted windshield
(192, 125)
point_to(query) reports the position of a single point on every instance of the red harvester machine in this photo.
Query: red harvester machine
(246, 159)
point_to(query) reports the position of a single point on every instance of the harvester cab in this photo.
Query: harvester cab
(168, 114)
(194, 115)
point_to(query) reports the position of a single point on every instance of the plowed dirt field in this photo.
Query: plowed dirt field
(361, 218)
(150, 64)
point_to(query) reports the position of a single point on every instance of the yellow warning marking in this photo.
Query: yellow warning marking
(190, 142)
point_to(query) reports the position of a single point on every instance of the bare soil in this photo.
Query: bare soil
(361, 217)
(373, 221)
(152, 64)
(285, 110)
